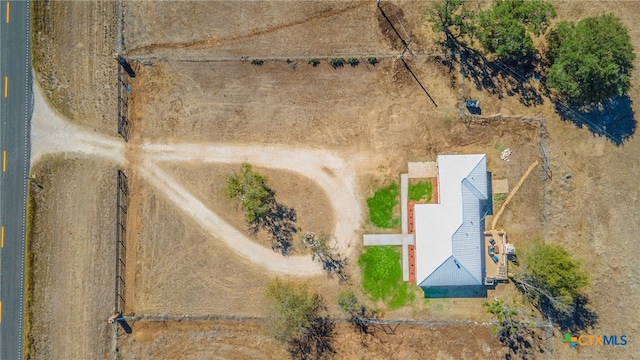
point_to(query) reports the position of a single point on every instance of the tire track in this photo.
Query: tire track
(198, 44)
(52, 134)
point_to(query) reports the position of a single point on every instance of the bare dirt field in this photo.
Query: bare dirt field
(374, 118)
(73, 45)
(67, 301)
(247, 340)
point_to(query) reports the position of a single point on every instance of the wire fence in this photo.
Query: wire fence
(123, 107)
(121, 236)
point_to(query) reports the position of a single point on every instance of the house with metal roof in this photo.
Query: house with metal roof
(443, 243)
(449, 235)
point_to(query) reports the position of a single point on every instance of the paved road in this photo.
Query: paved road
(15, 115)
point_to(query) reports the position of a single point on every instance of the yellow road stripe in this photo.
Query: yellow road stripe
(6, 86)
(2, 241)
(7, 12)
(4, 160)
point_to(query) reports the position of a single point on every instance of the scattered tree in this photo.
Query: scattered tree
(372, 60)
(518, 336)
(506, 28)
(591, 60)
(331, 261)
(261, 209)
(549, 278)
(252, 191)
(359, 314)
(314, 62)
(297, 318)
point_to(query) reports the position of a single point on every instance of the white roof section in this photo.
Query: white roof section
(448, 235)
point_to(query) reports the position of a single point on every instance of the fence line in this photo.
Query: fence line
(187, 318)
(123, 78)
(121, 236)
(123, 107)
(229, 58)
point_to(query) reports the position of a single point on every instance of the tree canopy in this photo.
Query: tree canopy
(296, 318)
(261, 210)
(591, 59)
(252, 190)
(506, 28)
(453, 19)
(550, 278)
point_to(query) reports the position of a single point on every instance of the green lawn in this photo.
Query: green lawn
(381, 206)
(420, 191)
(382, 276)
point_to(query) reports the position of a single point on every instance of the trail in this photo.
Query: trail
(53, 135)
(512, 193)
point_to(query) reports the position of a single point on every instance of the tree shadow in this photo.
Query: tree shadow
(581, 318)
(280, 223)
(315, 342)
(332, 262)
(515, 78)
(614, 119)
(524, 342)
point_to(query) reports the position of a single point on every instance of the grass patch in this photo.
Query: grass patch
(420, 191)
(382, 276)
(381, 206)
(499, 197)
(28, 274)
(499, 147)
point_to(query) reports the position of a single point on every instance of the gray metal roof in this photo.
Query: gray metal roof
(465, 265)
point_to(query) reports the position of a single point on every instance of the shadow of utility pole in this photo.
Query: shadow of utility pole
(405, 44)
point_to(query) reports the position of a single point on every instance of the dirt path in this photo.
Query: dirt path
(52, 134)
(512, 193)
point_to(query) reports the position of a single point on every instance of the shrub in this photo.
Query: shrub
(336, 62)
(257, 62)
(314, 62)
(353, 61)
(373, 60)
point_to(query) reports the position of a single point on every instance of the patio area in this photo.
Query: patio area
(495, 254)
